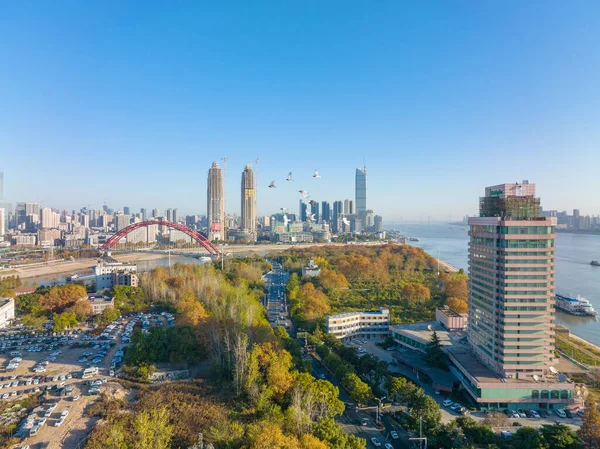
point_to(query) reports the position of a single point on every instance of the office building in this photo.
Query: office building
(124, 277)
(104, 271)
(175, 216)
(338, 212)
(361, 192)
(127, 210)
(372, 324)
(248, 216)
(155, 213)
(7, 311)
(314, 211)
(348, 207)
(303, 212)
(215, 213)
(122, 221)
(2, 222)
(169, 213)
(325, 212)
(511, 297)
(1, 186)
(144, 214)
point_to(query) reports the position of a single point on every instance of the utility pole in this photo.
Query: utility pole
(378, 414)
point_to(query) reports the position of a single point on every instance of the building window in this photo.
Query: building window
(535, 394)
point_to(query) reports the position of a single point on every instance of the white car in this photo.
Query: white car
(447, 403)
(375, 442)
(389, 446)
(560, 413)
(394, 435)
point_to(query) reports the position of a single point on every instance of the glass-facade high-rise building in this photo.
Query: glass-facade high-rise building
(248, 217)
(361, 191)
(215, 212)
(511, 283)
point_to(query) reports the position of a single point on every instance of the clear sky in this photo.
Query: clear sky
(130, 102)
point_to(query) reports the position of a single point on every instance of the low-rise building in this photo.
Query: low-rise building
(7, 311)
(100, 302)
(311, 269)
(371, 324)
(489, 391)
(104, 273)
(125, 277)
(451, 320)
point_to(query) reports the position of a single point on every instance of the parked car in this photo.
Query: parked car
(569, 413)
(560, 413)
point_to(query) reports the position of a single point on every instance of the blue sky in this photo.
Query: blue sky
(130, 102)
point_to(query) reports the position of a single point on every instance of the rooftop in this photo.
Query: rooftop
(423, 331)
(99, 298)
(5, 301)
(381, 311)
(449, 312)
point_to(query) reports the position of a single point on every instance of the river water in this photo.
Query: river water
(574, 274)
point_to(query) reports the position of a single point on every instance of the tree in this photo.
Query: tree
(358, 390)
(152, 429)
(328, 430)
(560, 436)
(434, 356)
(82, 309)
(457, 288)
(34, 322)
(63, 321)
(496, 419)
(476, 432)
(395, 385)
(589, 432)
(528, 438)
(416, 292)
(61, 297)
(108, 315)
(457, 305)
(28, 304)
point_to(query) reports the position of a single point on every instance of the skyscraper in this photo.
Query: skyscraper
(169, 214)
(248, 217)
(338, 211)
(303, 211)
(155, 213)
(144, 214)
(511, 283)
(361, 191)
(348, 207)
(1, 186)
(215, 212)
(2, 222)
(325, 211)
(126, 210)
(314, 211)
(175, 215)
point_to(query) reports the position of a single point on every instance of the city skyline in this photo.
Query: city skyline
(152, 110)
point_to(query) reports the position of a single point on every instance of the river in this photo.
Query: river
(574, 274)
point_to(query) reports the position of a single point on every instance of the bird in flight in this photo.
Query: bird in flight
(304, 193)
(289, 177)
(272, 185)
(316, 175)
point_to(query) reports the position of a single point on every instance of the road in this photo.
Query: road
(277, 306)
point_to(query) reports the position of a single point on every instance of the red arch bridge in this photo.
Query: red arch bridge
(113, 241)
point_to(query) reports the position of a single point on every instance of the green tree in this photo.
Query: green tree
(395, 385)
(28, 304)
(64, 321)
(152, 429)
(434, 356)
(589, 432)
(358, 390)
(107, 316)
(34, 322)
(328, 430)
(528, 438)
(560, 436)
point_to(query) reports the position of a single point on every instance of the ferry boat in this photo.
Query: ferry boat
(413, 239)
(595, 263)
(579, 306)
(72, 278)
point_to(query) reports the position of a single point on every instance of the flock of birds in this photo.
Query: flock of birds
(303, 194)
(290, 178)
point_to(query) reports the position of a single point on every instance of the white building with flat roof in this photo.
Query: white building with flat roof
(7, 311)
(104, 273)
(369, 324)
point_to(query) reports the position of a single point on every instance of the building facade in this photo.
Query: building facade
(100, 302)
(104, 273)
(370, 325)
(7, 312)
(215, 213)
(248, 216)
(511, 283)
(361, 192)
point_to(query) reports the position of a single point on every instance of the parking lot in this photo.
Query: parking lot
(66, 369)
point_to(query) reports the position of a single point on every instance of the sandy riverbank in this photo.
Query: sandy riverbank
(73, 266)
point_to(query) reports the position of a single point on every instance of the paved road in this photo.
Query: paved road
(275, 300)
